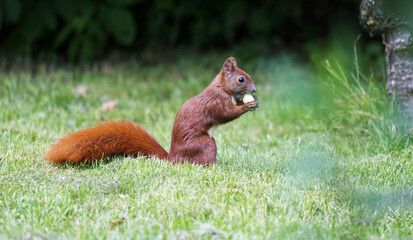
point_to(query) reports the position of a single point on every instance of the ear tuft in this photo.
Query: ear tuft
(229, 66)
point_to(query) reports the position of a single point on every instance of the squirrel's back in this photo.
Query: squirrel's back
(104, 140)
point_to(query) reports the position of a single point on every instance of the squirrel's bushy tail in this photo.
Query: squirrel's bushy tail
(104, 140)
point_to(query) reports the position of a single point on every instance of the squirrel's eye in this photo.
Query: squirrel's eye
(241, 79)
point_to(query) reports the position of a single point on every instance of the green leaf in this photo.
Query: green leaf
(65, 9)
(96, 30)
(87, 48)
(63, 34)
(31, 30)
(123, 2)
(12, 10)
(74, 45)
(82, 48)
(1, 17)
(46, 14)
(119, 23)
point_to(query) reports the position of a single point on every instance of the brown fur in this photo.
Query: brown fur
(191, 141)
(104, 140)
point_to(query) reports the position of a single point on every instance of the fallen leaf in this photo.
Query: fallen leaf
(117, 222)
(109, 105)
(81, 90)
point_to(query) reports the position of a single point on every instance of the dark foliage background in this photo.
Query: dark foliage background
(89, 29)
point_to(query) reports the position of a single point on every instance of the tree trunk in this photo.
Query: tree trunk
(400, 69)
(397, 40)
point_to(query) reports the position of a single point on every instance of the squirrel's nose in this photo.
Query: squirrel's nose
(253, 88)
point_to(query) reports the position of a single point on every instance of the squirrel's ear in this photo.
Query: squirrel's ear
(229, 66)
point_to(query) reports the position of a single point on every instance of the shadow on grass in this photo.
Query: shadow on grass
(370, 206)
(91, 164)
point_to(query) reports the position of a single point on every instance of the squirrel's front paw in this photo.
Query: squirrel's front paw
(252, 105)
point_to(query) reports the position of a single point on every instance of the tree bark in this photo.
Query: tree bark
(397, 40)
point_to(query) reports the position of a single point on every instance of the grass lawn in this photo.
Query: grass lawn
(322, 158)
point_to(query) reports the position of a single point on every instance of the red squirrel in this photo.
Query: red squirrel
(192, 142)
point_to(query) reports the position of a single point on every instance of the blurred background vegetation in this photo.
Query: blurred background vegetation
(84, 30)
